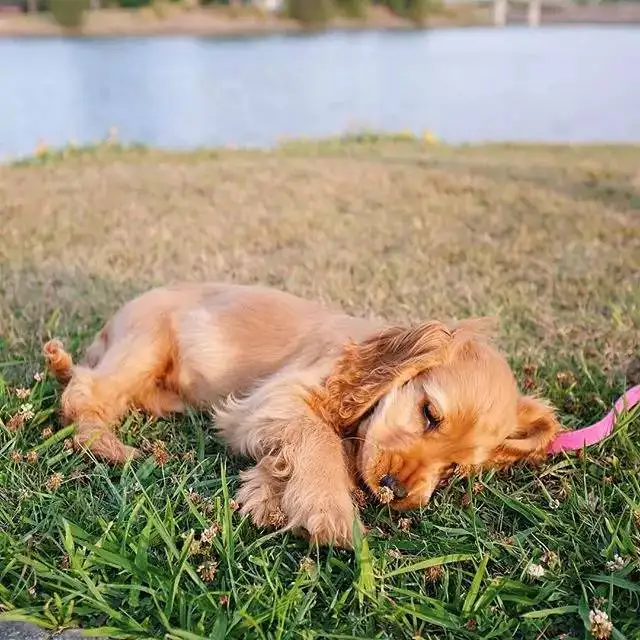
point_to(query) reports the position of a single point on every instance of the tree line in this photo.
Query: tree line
(318, 11)
(70, 13)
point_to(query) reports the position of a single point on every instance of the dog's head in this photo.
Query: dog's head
(417, 401)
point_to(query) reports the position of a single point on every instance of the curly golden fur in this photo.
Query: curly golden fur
(322, 401)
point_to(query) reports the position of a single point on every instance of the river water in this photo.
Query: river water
(569, 84)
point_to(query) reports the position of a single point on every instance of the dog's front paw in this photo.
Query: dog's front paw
(260, 498)
(333, 529)
(325, 520)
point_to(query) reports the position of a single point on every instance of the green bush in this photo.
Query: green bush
(69, 13)
(311, 12)
(133, 4)
(354, 8)
(399, 7)
(418, 11)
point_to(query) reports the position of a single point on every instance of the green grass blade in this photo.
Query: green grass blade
(432, 618)
(469, 601)
(179, 634)
(142, 548)
(366, 581)
(16, 616)
(182, 561)
(556, 611)
(110, 632)
(617, 581)
(219, 631)
(431, 562)
(58, 436)
(530, 512)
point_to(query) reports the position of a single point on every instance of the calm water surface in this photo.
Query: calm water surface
(551, 84)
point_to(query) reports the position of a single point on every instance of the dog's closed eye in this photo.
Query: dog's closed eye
(431, 419)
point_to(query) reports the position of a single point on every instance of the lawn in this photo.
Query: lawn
(547, 239)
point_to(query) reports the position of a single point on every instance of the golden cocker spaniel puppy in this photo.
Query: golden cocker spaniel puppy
(319, 399)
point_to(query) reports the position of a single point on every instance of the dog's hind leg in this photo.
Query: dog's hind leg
(129, 374)
(58, 361)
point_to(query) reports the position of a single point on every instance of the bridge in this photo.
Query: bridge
(534, 10)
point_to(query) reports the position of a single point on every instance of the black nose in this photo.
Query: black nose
(392, 483)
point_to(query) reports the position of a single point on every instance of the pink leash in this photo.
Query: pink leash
(573, 440)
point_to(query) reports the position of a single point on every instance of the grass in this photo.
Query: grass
(546, 238)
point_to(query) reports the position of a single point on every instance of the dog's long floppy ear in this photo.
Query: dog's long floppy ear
(535, 428)
(367, 370)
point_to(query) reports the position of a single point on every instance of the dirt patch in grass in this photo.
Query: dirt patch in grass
(547, 239)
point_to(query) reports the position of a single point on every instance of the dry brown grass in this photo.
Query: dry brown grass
(545, 238)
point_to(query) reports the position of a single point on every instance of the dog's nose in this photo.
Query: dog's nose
(392, 483)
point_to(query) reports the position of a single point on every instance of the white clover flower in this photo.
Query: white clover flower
(617, 563)
(601, 626)
(26, 411)
(536, 570)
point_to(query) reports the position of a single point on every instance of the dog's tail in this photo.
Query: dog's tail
(59, 362)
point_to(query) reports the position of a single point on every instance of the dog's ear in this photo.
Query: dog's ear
(536, 426)
(367, 370)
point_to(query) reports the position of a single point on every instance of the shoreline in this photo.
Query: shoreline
(111, 145)
(215, 23)
(113, 148)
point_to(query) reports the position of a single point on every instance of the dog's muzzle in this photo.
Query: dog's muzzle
(391, 482)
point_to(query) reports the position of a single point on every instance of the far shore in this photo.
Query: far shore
(216, 22)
